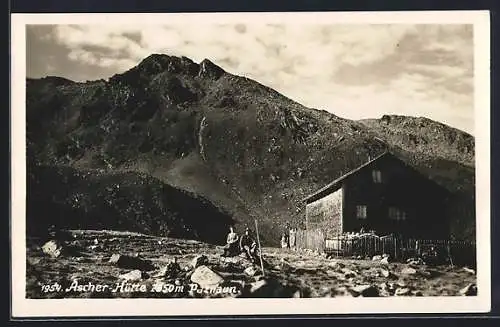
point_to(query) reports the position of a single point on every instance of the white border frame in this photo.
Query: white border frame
(30, 308)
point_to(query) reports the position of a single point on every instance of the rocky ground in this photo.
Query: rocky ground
(109, 264)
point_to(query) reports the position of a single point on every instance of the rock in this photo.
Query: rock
(206, 277)
(134, 275)
(199, 260)
(385, 255)
(250, 271)
(52, 248)
(469, 290)
(285, 266)
(296, 294)
(258, 285)
(268, 288)
(348, 273)
(409, 271)
(415, 261)
(385, 260)
(341, 291)
(336, 265)
(472, 271)
(418, 293)
(331, 273)
(425, 273)
(128, 262)
(171, 270)
(402, 291)
(386, 289)
(386, 273)
(377, 258)
(365, 291)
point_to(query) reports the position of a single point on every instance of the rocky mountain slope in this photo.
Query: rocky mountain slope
(248, 150)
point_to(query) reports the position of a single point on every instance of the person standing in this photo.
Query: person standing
(284, 242)
(231, 247)
(293, 233)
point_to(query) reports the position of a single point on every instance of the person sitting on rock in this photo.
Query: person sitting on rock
(248, 245)
(231, 247)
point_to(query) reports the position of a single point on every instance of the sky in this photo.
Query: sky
(355, 71)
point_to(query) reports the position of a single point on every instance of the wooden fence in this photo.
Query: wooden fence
(369, 245)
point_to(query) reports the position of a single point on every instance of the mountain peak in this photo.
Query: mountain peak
(156, 63)
(209, 69)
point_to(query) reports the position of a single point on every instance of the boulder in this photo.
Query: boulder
(132, 276)
(415, 261)
(376, 258)
(348, 273)
(250, 271)
(469, 290)
(471, 271)
(365, 290)
(171, 270)
(425, 273)
(267, 288)
(206, 277)
(336, 265)
(285, 266)
(384, 260)
(341, 291)
(331, 273)
(235, 260)
(129, 262)
(386, 289)
(52, 248)
(386, 273)
(256, 286)
(408, 271)
(199, 260)
(404, 291)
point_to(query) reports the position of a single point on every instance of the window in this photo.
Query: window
(396, 214)
(361, 212)
(377, 176)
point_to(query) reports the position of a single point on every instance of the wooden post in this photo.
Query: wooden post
(260, 249)
(395, 248)
(449, 253)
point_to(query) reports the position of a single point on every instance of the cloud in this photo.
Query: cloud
(355, 71)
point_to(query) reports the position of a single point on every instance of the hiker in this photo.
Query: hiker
(231, 247)
(248, 245)
(293, 233)
(284, 241)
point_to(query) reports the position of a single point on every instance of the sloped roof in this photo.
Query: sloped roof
(338, 182)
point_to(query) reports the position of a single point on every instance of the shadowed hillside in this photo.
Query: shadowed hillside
(247, 149)
(70, 199)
